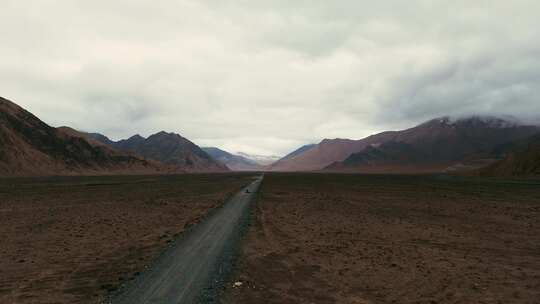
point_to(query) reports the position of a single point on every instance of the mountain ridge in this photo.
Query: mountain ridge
(442, 140)
(522, 159)
(169, 148)
(28, 147)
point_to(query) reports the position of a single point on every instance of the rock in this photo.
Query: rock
(237, 284)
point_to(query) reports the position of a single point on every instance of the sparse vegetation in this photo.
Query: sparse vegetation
(337, 238)
(74, 239)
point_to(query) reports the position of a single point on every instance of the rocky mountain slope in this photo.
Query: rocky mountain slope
(431, 146)
(522, 160)
(168, 148)
(28, 146)
(297, 152)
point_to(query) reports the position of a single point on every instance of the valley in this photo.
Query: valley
(444, 212)
(269, 152)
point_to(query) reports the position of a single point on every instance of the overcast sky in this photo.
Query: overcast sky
(267, 76)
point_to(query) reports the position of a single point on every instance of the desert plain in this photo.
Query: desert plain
(78, 239)
(338, 238)
(313, 238)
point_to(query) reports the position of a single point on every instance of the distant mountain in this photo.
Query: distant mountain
(29, 146)
(431, 146)
(298, 151)
(523, 159)
(131, 144)
(288, 161)
(319, 156)
(168, 148)
(262, 160)
(389, 157)
(232, 161)
(99, 138)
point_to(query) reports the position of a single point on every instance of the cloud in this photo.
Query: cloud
(267, 76)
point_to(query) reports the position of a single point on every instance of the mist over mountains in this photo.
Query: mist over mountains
(233, 161)
(433, 146)
(445, 144)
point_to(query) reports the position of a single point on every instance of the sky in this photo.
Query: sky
(266, 77)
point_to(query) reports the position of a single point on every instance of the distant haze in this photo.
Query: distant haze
(266, 77)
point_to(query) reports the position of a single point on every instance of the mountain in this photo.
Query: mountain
(232, 161)
(131, 144)
(522, 160)
(28, 146)
(389, 157)
(168, 148)
(297, 152)
(289, 161)
(431, 146)
(319, 156)
(262, 160)
(99, 138)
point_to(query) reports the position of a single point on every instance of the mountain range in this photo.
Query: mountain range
(28, 146)
(233, 161)
(168, 148)
(263, 160)
(429, 147)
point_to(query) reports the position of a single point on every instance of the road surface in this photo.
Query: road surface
(192, 270)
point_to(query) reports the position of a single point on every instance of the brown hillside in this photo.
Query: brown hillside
(435, 143)
(524, 160)
(170, 149)
(28, 146)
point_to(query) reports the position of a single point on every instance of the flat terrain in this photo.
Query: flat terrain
(323, 238)
(75, 239)
(194, 268)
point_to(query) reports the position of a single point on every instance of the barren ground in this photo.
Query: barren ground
(74, 239)
(329, 238)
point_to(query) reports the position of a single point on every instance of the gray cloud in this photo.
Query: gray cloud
(267, 76)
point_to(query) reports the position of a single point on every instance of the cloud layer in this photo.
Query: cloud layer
(267, 76)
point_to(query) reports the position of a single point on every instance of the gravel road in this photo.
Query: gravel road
(193, 269)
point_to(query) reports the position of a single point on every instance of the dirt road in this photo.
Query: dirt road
(192, 269)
